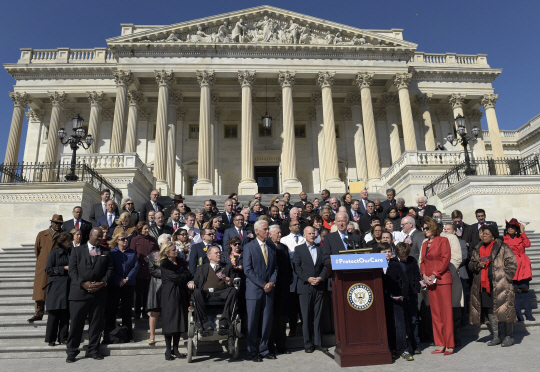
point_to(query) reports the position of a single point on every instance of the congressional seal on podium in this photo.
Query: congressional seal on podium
(360, 296)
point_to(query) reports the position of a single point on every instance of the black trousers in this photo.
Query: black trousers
(79, 310)
(278, 337)
(294, 308)
(228, 294)
(141, 295)
(57, 325)
(122, 296)
(456, 314)
(311, 308)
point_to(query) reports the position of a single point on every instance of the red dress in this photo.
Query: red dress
(327, 225)
(518, 245)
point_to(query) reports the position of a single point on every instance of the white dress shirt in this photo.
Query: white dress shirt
(313, 252)
(290, 241)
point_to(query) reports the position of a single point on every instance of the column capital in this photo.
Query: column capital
(456, 100)
(325, 79)
(364, 79)
(181, 113)
(489, 100)
(123, 78)
(214, 97)
(20, 99)
(312, 113)
(175, 98)
(353, 99)
(135, 98)
(35, 115)
(423, 99)
(346, 113)
(58, 98)
(473, 114)
(217, 113)
(164, 78)
(442, 114)
(390, 99)
(246, 78)
(316, 99)
(286, 78)
(402, 81)
(144, 113)
(96, 98)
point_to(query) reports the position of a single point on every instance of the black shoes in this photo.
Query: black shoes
(417, 352)
(96, 356)
(71, 359)
(52, 344)
(269, 356)
(207, 327)
(223, 329)
(309, 349)
(283, 351)
(257, 359)
(320, 348)
(179, 355)
(168, 355)
(34, 318)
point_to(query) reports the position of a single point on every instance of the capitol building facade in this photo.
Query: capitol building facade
(261, 99)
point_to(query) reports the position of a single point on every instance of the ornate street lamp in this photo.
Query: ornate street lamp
(77, 139)
(266, 119)
(464, 139)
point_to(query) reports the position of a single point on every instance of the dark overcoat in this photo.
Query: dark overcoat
(43, 247)
(174, 278)
(58, 286)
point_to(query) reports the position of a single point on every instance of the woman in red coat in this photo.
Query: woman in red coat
(436, 274)
(517, 240)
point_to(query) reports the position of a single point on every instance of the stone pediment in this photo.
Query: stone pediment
(259, 26)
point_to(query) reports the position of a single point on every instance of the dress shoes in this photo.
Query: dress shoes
(96, 356)
(448, 352)
(269, 356)
(34, 318)
(438, 351)
(320, 348)
(223, 329)
(283, 351)
(309, 349)
(71, 359)
(257, 359)
(207, 327)
(417, 352)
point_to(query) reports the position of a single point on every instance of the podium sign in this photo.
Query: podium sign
(360, 322)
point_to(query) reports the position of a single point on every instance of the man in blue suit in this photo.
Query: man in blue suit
(363, 201)
(237, 230)
(109, 218)
(260, 268)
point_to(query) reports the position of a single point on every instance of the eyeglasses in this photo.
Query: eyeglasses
(182, 234)
(129, 203)
(233, 244)
(211, 234)
(123, 239)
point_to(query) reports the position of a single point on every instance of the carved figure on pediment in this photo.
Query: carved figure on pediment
(223, 33)
(173, 38)
(283, 38)
(267, 28)
(329, 38)
(358, 41)
(239, 31)
(294, 32)
(304, 35)
(338, 39)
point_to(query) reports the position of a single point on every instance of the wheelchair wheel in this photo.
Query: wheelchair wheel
(190, 350)
(230, 345)
(236, 349)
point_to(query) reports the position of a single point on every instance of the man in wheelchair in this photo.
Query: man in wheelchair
(213, 282)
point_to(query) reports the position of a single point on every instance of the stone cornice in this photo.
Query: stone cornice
(59, 72)
(481, 76)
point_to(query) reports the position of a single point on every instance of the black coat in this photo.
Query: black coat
(365, 222)
(410, 283)
(58, 285)
(81, 268)
(154, 288)
(333, 243)
(174, 277)
(393, 280)
(155, 231)
(84, 226)
(147, 207)
(284, 278)
(305, 268)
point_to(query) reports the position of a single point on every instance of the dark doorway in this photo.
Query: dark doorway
(267, 179)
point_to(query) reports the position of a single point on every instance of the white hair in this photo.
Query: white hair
(408, 219)
(243, 209)
(258, 224)
(274, 227)
(422, 197)
(343, 214)
(164, 237)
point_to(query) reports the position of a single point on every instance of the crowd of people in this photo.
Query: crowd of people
(146, 264)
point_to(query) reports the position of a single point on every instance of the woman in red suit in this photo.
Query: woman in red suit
(436, 274)
(517, 240)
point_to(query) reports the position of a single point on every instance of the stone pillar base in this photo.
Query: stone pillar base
(248, 187)
(203, 188)
(374, 185)
(292, 186)
(335, 186)
(162, 186)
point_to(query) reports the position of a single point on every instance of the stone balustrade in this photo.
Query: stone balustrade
(66, 55)
(521, 132)
(451, 59)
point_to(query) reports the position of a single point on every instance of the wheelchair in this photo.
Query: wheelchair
(213, 311)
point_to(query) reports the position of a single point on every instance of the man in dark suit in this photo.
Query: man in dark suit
(237, 230)
(260, 268)
(390, 200)
(424, 209)
(310, 262)
(354, 213)
(197, 253)
(286, 198)
(178, 199)
(151, 205)
(294, 215)
(341, 240)
(334, 206)
(302, 202)
(283, 211)
(89, 270)
(174, 222)
(110, 217)
(273, 214)
(213, 280)
(78, 223)
(160, 227)
(128, 205)
(325, 196)
(463, 230)
(227, 216)
(365, 220)
(481, 221)
(99, 209)
(208, 211)
(413, 237)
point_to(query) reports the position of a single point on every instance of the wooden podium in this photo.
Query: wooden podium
(361, 338)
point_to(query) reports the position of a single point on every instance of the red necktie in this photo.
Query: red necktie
(240, 234)
(77, 224)
(175, 226)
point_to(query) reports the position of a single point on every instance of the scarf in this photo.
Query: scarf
(485, 251)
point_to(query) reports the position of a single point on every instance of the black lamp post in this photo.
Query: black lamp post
(464, 140)
(77, 139)
(266, 119)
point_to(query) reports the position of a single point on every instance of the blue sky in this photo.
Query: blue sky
(507, 31)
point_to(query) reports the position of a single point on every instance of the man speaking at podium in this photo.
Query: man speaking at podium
(341, 240)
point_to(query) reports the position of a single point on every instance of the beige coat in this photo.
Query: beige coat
(43, 247)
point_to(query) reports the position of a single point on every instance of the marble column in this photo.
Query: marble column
(175, 98)
(213, 133)
(179, 176)
(135, 99)
(489, 101)
(391, 100)
(123, 80)
(33, 135)
(355, 100)
(478, 147)
(456, 100)
(446, 128)
(96, 100)
(51, 152)
(423, 101)
(164, 79)
(291, 183)
(20, 101)
(333, 183)
(402, 81)
(316, 175)
(247, 185)
(204, 184)
(216, 147)
(364, 81)
(316, 99)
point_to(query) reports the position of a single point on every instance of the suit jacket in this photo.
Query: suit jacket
(103, 221)
(429, 210)
(197, 252)
(171, 225)
(365, 222)
(225, 223)
(362, 209)
(257, 272)
(201, 274)
(300, 204)
(285, 273)
(386, 205)
(333, 243)
(81, 269)
(305, 268)
(155, 231)
(467, 232)
(417, 238)
(232, 232)
(84, 226)
(134, 216)
(147, 207)
(436, 260)
(97, 211)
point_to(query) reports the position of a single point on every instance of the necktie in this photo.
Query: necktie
(481, 223)
(104, 209)
(155, 206)
(343, 236)
(240, 234)
(229, 217)
(110, 220)
(175, 226)
(282, 216)
(76, 224)
(355, 217)
(296, 239)
(263, 249)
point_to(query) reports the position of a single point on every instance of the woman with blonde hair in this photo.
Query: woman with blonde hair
(77, 237)
(274, 202)
(174, 278)
(125, 224)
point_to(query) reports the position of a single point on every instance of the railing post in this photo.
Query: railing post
(58, 172)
